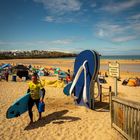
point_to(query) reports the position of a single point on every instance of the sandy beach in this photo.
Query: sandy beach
(62, 119)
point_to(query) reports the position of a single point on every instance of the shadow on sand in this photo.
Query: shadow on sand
(101, 106)
(57, 117)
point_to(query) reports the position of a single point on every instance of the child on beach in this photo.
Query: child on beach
(34, 90)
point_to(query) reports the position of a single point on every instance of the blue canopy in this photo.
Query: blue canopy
(5, 65)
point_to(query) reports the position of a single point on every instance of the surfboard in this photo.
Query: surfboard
(18, 107)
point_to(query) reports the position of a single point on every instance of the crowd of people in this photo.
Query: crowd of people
(20, 71)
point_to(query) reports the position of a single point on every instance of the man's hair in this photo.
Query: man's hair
(35, 74)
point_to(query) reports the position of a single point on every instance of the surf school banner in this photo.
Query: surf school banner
(114, 69)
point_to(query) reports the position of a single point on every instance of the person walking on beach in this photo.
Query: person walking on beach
(34, 90)
(6, 75)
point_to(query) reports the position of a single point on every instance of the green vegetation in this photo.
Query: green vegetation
(34, 54)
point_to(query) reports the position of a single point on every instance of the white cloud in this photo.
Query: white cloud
(60, 7)
(123, 38)
(66, 50)
(59, 19)
(93, 5)
(50, 45)
(110, 29)
(118, 32)
(61, 42)
(8, 43)
(116, 51)
(59, 11)
(136, 27)
(120, 6)
(100, 33)
(49, 19)
(38, 43)
(135, 17)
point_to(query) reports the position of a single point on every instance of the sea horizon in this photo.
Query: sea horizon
(102, 57)
(113, 57)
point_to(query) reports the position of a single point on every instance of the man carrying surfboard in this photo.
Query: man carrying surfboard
(34, 90)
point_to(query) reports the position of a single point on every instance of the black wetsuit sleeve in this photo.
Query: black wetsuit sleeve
(43, 93)
(28, 90)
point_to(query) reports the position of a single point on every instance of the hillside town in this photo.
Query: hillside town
(34, 54)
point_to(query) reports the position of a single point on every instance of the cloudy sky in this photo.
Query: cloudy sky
(108, 26)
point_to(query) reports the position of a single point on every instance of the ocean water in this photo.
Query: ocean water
(122, 57)
(123, 67)
(116, 57)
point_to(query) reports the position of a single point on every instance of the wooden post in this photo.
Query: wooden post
(100, 93)
(92, 100)
(116, 86)
(92, 103)
(110, 97)
(110, 101)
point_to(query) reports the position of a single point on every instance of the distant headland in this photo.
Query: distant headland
(34, 54)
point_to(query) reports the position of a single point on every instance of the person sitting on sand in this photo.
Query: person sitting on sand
(34, 90)
(68, 73)
(68, 77)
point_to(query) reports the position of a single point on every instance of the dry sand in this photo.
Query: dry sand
(62, 119)
(65, 64)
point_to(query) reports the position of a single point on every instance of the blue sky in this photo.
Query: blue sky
(108, 26)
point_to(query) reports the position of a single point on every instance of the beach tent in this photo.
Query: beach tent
(22, 71)
(133, 82)
(20, 67)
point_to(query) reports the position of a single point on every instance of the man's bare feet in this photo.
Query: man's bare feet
(31, 122)
(39, 118)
